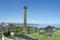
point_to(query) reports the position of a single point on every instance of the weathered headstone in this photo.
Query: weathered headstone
(54, 29)
(41, 31)
(49, 30)
(12, 33)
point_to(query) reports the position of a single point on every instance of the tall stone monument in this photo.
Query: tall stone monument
(25, 19)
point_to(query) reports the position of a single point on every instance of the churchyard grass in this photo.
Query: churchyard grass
(56, 36)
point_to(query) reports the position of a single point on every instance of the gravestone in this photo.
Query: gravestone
(54, 29)
(42, 31)
(12, 33)
(49, 30)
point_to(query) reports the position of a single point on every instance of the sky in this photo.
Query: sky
(39, 11)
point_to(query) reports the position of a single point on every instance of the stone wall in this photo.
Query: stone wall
(23, 37)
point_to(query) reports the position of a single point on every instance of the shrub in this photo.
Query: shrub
(6, 33)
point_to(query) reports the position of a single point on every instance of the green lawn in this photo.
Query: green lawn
(45, 37)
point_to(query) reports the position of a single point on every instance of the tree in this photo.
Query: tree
(11, 27)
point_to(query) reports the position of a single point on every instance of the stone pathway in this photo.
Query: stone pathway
(5, 38)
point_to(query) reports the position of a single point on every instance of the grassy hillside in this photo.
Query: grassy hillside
(45, 37)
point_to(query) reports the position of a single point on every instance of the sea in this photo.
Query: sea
(45, 25)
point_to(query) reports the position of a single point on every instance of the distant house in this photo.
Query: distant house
(23, 37)
(49, 30)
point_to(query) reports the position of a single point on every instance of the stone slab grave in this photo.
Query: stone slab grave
(23, 37)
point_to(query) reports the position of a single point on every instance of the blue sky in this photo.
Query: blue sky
(39, 11)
